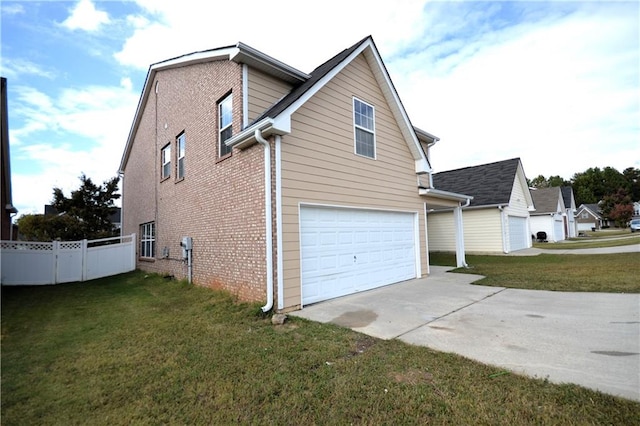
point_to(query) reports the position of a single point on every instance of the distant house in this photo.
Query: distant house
(549, 213)
(570, 223)
(589, 217)
(496, 220)
(8, 209)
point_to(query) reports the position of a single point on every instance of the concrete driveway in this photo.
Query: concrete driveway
(590, 339)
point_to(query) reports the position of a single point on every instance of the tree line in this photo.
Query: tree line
(612, 190)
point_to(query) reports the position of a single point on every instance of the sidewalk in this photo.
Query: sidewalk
(631, 248)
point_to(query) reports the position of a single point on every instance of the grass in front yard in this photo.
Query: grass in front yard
(591, 242)
(612, 273)
(137, 349)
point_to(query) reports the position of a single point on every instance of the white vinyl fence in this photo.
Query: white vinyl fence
(38, 263)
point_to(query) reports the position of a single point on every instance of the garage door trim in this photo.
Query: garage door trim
(416, 268)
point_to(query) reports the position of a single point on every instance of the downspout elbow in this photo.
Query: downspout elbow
(268, 214)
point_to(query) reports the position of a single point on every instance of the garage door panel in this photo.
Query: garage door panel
(518, 234)
(350, 250)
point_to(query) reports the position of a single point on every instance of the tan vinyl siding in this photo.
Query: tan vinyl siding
(263, 91)
(482, 231)
(319, 165)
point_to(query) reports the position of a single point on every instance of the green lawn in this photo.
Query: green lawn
(615, 273)
(141, 349)
(610, 239)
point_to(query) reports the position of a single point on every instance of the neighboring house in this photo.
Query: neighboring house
(549, 213)
(8, 209)
(570, 223)
(589, 218)
(496, 220)
(293, 187)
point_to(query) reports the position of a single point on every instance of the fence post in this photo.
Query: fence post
(56, 248)
(132, 256)
(85, 252)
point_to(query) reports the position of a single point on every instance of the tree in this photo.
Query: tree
(86, 214)
(594, 184)
(39, 227)
(632, 176)
(541, 182)
(91, 205)
(621, 214)
(614, 206)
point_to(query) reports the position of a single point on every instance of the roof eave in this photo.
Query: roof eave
(453, 196)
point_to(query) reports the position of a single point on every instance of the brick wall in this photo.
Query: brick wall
(219, 203)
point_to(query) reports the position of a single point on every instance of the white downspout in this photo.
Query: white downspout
(267, 212)
(505, 224)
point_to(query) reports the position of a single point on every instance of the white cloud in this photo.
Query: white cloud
(14, 68)
(11, 8)
(286, 30)
(95, 123)
(85, 16)
(560, 92)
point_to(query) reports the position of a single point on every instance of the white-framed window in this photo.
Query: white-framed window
(225, 121)
(364, 128)
(181, 145)
(148, 240)
(165, 159)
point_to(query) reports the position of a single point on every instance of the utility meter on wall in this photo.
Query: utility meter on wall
(187, 245)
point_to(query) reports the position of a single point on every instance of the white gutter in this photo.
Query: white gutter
(267, 213)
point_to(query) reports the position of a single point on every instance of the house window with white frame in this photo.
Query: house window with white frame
(225, 128)
(165, 158)
(148, 240)
(364, 128)
(181, 142)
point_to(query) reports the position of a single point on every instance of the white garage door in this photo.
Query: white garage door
(518, 236)
(344, 251)
(558, 230)
(586, 226)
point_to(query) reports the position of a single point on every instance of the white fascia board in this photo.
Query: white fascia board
(454, 196)
(423, 166)
(242, 53)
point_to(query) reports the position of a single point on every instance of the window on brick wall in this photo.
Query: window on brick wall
(225, 121)
(165, 159)
(364, 128)
(181, 141)
(148, 240)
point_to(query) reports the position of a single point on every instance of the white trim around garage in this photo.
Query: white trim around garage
(347, 249)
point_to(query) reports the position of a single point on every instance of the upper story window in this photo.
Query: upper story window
(225, 119)
(148, 240)
(364, 128)
(166, 161)
(181, 141)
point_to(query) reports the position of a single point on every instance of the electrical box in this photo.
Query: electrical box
(187, 245)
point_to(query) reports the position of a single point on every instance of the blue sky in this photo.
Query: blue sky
(554, 83)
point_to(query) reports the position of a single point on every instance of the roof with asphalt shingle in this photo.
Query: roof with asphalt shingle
(545, 200)
(489, 184)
